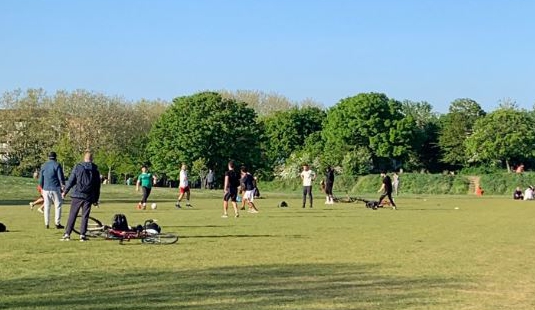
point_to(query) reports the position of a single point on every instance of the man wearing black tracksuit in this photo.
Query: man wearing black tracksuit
(386, 188)
(82, 199)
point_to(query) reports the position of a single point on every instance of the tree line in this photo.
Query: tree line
(270, 134)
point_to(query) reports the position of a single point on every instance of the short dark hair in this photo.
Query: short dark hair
(243, 169)
(52, 155)
(144, 166)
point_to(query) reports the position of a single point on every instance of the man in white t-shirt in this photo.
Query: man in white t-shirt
(308, 176)
(183, 187)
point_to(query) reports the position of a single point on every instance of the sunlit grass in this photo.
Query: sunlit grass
(426, 255)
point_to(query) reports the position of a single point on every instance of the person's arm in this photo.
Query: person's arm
(137, 184)
(41, 178)
(70, 183)
(226, 185)
(97, 185)
(61, 176)
(382, 188)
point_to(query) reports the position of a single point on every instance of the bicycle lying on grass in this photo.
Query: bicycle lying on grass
(147, 235)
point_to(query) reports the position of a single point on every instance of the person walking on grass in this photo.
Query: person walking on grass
(52, 181)
(85, 182)
(308, 176)
(248, 184)
(230, 187)
(329, 183)
(386, 188)
(183, 187)
(145, 180)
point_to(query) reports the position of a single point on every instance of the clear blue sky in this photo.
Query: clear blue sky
(434, 51)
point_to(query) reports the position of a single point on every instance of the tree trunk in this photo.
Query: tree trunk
(508, 165)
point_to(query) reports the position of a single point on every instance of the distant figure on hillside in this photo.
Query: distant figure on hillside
(479, 191)
(528, 194)
(517, 194)
(520, 168)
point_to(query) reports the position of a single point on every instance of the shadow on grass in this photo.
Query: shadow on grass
(242, 236)
(14, 202)
(278, 286)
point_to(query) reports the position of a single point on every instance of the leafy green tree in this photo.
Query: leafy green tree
(456, 128)
(501, 136)
(207, 126)
(286, 131)
(425, 151)
(371, 121)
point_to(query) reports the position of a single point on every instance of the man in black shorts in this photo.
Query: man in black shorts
(231, 183)
(386, 188)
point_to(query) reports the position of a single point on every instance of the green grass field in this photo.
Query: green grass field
(426, 255)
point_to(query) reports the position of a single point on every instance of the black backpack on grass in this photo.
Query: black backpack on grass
(119, 222)
(3, 227)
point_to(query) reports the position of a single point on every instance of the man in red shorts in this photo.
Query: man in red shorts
(183, 187)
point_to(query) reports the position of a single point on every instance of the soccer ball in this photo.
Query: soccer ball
(153, 206)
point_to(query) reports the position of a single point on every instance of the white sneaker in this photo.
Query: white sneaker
(65, 238)
(31, 206)
(224, 216)
(40, 210)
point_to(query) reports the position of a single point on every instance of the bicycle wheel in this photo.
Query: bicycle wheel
(160, 239)
(94, 227)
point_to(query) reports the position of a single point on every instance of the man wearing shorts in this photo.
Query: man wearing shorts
(248, 184)
(183, 187)
(230, 187)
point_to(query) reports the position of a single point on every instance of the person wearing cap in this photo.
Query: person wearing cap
(52, 181)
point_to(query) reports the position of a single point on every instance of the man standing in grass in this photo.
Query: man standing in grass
(308, 176)
(230, 187)
(247, 182)
(85, 181)
(52, 181)
(183, 187)
(146, 180)
(386, 188)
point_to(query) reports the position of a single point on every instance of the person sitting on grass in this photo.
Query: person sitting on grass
(517, 194)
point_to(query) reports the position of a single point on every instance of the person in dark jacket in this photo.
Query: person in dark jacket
(329, 182)
(85, 182)
(386, 189)
(52, 181)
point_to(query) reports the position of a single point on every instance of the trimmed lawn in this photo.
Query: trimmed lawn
(426, 255)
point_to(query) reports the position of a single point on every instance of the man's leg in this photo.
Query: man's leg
(392, 201)
(47, 201)
(304, 195)
(310, 195)
(58, 203)
(73, 213)
(86, 209)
